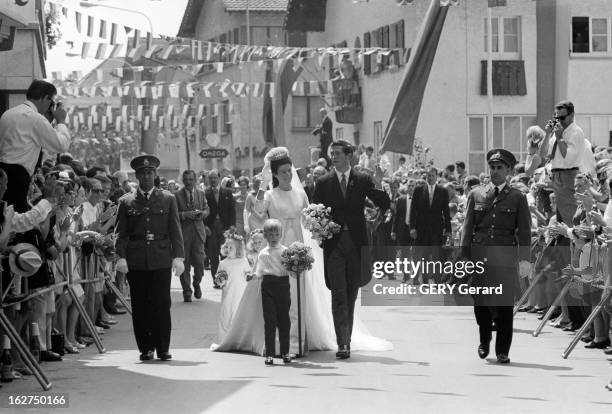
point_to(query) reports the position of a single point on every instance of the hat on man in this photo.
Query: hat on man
(501, 155)
(24, 259)
(145, 162)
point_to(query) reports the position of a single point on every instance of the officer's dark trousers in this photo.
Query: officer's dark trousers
(213, 246)
(343, 267)
(503, 317)
(150, 292)
(17, 187)
(276, 301)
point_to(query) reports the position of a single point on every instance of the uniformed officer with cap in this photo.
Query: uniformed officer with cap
(149, 244)
(497, 230)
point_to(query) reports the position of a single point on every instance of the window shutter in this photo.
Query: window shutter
(367, 64)
(508, 78)
(375, 39)
(385, 44)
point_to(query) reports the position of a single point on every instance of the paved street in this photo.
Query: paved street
(433, 368)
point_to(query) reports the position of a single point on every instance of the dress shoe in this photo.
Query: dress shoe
(525, 308)
(608, 351)
(533, 310)
(102, 325)
(146, 356)
(287, 359)
(269, 361)
(86, 340)
(343, 352)
(609, 386)
(587, 339)
(164, 356)
(49, 356)
(115, 311)
(571, 327)
(503, 359)
(71, 349)
(197, 292)
(598, 345)
(187, 299)
(110, 321)
(483, 351)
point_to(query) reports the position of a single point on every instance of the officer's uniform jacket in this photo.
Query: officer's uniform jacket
(149, 231)
(504, 220)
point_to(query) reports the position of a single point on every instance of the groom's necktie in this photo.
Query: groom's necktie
(343, 185)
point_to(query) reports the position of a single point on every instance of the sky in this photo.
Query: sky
(165, 15)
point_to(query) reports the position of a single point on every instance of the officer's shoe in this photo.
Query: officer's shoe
(164, 356)
(483, 351)
(503, 359)
(187, 299)
(146, 356)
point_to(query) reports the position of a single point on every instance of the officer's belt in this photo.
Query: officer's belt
(493, 232)
(149, 237)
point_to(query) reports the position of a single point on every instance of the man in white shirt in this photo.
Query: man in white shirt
(565, 147)
(24, 133)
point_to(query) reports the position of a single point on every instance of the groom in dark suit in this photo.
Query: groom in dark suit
(345, 191)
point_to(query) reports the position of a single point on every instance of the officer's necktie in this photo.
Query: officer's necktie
(343, 185)
(496, 191)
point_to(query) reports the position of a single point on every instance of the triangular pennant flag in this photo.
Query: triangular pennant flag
(206, 89)
(101, 52)
(170, 110)
(118, 123)
(78, 17)
(223, 87)
(200, 52)
(151, 50)
(128, 30)
(103, 123)
(185, 111)
(257, 89)
(167, 52)
(209, 51)
(139, 113)
(219, 67)
(154, 110)
(113, 36)
(200, 111)
(124, 109)
(85, 50)
(147, 122)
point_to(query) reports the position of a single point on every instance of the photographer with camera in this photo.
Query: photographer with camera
(25, 131)
(564, 146)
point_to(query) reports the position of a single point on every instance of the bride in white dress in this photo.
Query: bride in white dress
(285, 202)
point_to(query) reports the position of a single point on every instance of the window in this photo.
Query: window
(591, 35)
(597, 128)
(339, 133)
(378, 132)
(214, 119)
(224, 118)
(305, 110)
(508, 133)
(506, 36)
(267, 36)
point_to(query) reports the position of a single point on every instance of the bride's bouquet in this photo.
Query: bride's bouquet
(317, 220)
(297, 258)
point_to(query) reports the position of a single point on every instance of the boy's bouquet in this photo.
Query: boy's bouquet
(297, 258)
(317, 220)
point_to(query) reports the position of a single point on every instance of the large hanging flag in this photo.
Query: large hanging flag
(285, 78)
(401, 129)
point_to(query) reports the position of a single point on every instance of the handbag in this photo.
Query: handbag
(58, 342)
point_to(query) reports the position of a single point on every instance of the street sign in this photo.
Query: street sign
(209, 153)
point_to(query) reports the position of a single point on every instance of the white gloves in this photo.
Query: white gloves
(122, 266)
(524, 268)
(178, 266)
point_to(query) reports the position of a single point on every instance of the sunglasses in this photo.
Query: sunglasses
(561, 117)
(97, 191)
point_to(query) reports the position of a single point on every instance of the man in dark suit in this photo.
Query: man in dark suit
(324, 131)
(430, 221)
(222, 216)
(401, 219)
(497, 219)
(309, 186)
(193, 209)
(345, 191)
(149, 244)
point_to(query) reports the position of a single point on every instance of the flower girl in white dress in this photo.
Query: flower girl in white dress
(231, 274)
